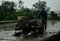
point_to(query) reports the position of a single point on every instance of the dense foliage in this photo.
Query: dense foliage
(8, 10)
(53, 16)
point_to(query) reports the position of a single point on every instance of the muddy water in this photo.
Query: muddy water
(7, 31)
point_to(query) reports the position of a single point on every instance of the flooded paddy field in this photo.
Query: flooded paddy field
(7, 31)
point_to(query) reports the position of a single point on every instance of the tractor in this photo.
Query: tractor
(29, 27)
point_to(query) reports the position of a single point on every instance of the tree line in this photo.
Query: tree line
(8, 10)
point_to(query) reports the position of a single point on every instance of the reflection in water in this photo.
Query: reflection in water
(6, 35)
(53, 22)
(22, 38)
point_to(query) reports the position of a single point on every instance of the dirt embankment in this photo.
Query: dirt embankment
(8, 25)
(53, 38)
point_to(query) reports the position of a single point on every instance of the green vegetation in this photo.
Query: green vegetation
(26, 12)
(8, 10)
(53, 16)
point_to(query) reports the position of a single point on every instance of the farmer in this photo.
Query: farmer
(43, 15)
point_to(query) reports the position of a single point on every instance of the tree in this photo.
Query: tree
(26, 12)
(21, 4)
(7, 9)
(9, 5)
(53, 15)
(39, 6)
